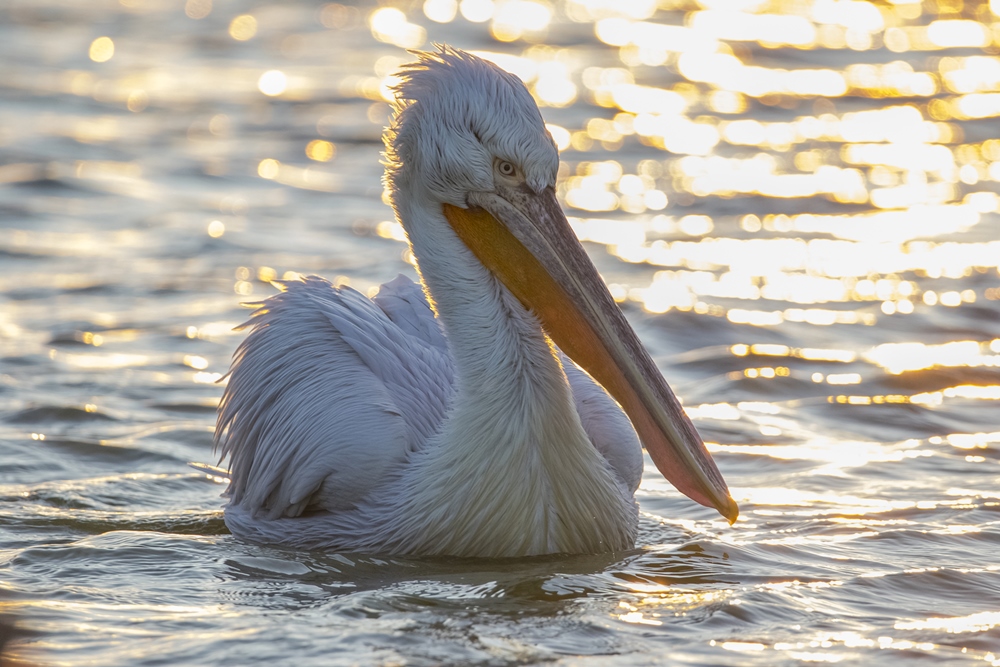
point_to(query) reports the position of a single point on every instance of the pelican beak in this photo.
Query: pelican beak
(525, 240)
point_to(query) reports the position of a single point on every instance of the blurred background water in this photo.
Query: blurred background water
(795, 202)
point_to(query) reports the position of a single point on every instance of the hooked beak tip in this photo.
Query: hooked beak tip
(731, 510)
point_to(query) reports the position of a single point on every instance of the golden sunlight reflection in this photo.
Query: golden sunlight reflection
(390, 25)
(980, 622)
(102, 49)
(197, 9)
(637, 617)
(517, 19)
(768, 501)
(305, 178)
(967, 391)
(477, 11)
(863, 264)
(320, 150)
(196, 362)
(835, 457)
(272, 83)
(898, 358)
(560, 136)
(104, 361)
(665, 602)
(742, 647)
(440, 11)
(243, 27)
(968, 440)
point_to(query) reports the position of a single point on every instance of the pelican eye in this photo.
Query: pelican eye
(506, 168)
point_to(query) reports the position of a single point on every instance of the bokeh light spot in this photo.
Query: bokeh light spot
(320, 151)
(272, 83)
(243, 27)
(102, 50)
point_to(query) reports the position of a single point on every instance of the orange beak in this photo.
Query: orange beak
(526, 241)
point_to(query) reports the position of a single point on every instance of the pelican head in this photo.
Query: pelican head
(459, 119)
(469, 141)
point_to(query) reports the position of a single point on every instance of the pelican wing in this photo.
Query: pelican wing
(327, 396)
(406, 305)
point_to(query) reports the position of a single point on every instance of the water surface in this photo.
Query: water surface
(795, 203)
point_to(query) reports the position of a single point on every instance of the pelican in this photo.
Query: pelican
(446, 418)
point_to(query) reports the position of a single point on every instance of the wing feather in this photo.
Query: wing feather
(404, 302)
(326, 396)
(417, 373)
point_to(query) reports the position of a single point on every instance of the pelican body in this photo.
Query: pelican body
(447, 419)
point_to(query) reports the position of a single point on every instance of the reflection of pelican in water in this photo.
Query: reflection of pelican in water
(374, 425)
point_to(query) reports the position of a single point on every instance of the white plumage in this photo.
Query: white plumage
(372, 425)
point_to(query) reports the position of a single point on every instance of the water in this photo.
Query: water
(818, 283)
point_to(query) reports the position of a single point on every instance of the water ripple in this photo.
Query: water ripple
(796, 207)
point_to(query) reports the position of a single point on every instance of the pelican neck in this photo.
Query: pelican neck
(497, 344)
